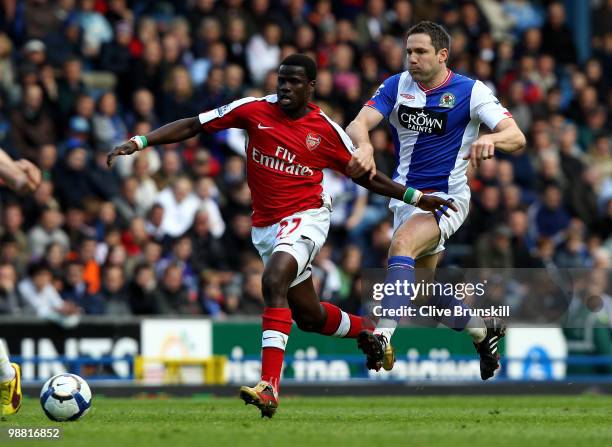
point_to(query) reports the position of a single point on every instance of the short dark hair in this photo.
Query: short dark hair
(301, 60)
(38, 267)
(439, 36)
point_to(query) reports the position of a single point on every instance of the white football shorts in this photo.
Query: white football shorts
(301, 235)
(448, 225)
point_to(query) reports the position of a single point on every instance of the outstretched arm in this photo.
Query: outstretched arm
(358, 129)
(383, 185)
(170, 133)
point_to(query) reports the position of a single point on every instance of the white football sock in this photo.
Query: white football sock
(6, 370)
(477, 329)
(386, 327)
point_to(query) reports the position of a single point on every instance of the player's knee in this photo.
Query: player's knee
(403, 246)
(274, 288)
(415, 237)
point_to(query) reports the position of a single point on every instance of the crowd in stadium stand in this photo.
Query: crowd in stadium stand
(167, 231)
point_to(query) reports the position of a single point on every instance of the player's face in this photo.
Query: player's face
(423, 61)
(293, 87)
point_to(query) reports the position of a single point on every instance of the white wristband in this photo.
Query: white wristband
(416, 197)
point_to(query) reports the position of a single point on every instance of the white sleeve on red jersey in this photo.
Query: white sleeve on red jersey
(227, 116)
(342, 153)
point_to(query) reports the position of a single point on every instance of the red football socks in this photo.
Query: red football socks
(276, 326)
(343, 324)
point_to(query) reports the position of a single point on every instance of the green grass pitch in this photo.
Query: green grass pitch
(370, 421)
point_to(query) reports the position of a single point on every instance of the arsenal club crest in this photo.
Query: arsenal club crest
(312, 141)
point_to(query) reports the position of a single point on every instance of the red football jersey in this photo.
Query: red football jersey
(285, 157)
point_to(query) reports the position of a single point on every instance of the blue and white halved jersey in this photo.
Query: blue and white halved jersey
(434, 129)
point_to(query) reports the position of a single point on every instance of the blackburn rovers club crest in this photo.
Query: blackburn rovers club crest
(312, 141)
(447, 100)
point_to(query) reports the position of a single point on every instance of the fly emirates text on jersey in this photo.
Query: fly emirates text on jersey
(282, 161)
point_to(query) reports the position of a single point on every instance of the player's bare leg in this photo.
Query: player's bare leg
(10, 385)
(280, 271)
(324, 318)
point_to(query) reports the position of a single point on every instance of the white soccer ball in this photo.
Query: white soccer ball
(65, 397)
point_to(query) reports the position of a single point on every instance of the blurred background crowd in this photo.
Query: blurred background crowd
(167, 231)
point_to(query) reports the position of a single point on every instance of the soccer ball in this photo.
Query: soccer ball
(65, 397)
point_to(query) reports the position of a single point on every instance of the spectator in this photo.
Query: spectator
(349, 200)
(549, 217)
(10, 301)
(207, 192)
(32, 126)
(350, 265)
(136, 237)
(238, 240)
(102, 179)
(147, 71)
(180, 205)
(75, 290)
(558, 38)
(47, 158)
(40, 18)
(55, 257)
(263, 52)
(372, 23)
(171, 168)
(522, 244)
(143, 109)
(145, 298)
(153, 225)
(174, 295)
(181, 256)
(494, 250)
(116, 57)
(212, 299)
(70, 87)
(41, 296)
(71, 177)
(112, 293)
(126, 204)
(7, 69)
(327, 274)
(108, 127)
(75, 225)
(236, 36)
(47, 231)
(209, 253)
(488, 213)
(91, 267)
(79, 127)
(12, 221)
(146, 192)
(96, 29)
(252, 302)
(177, 101)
